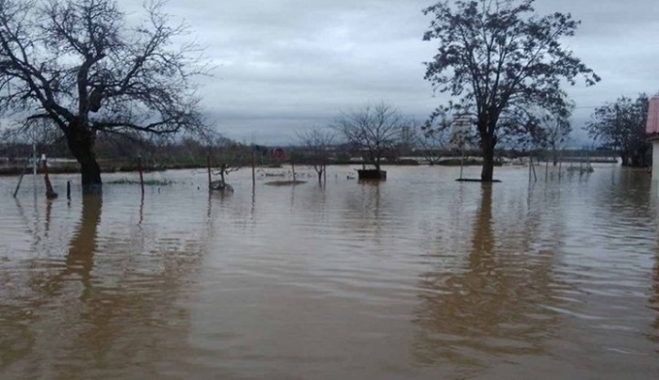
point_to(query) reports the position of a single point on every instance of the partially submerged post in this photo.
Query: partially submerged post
(532, 168)
(460, 129)
(253, 168)
(34, 168)
(208, 166)
(462, 159)
(20, 179)
(50, 193)
(140, 169)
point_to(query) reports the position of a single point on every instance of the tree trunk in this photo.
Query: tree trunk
(320, 176)
(554, 153)
(81, 144)
(624, 157)
(638, 158)
(487, 173)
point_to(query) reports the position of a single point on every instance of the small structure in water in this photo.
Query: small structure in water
(372, 174)
(221, 186)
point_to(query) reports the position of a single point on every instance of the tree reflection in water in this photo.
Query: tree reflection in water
(492, 306)
(110, 303)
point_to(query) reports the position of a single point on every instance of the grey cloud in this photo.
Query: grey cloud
(282, 65)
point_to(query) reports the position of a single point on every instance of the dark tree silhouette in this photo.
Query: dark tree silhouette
(372, 130)
(499, 57)
(317, 142)
(621, 126)
(81, 66)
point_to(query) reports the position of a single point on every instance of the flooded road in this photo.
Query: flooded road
(419, 277)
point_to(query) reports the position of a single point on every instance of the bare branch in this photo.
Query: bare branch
(372, 130)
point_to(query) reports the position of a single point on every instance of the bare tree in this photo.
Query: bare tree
(431, 142)
(317, 142)
(373, 130)
(80, 65)
(230, 156)
(558, 128)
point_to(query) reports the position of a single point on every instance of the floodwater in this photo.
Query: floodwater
(419, 277)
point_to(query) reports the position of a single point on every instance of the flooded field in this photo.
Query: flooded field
(419, 277)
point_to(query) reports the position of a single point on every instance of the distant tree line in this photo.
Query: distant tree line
(620, 126)
(82, 83)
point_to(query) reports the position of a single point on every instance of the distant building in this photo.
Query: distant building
(652, 131)
(406, 139)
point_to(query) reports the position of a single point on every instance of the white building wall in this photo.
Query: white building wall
(655, 160)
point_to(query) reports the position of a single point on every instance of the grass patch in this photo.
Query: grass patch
(148, 182)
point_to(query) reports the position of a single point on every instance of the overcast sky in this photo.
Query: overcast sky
(285, 65)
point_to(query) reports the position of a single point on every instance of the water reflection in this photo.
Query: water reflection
(79, 259)
(106, 305)
(49, 211)
(492, 304)
(416, 277)
(362, 209)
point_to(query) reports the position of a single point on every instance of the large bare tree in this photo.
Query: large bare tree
(317, 142)
(82, 66)
(373, 130)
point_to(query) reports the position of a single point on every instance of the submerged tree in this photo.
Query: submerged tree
(621, 126)
(432, 143)
(499, 57)
(557, 128)
(317, 142)
(81, 65)
(230, 156)
(374, 131)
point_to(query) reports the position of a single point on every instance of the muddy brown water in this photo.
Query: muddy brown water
(419, 277)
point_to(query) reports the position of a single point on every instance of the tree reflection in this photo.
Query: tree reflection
(492, 306)
(80, 259)
(109, 303)
(362, 211)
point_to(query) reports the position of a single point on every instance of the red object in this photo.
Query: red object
(279, 153)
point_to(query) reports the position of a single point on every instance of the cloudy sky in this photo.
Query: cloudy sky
(285, 65)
